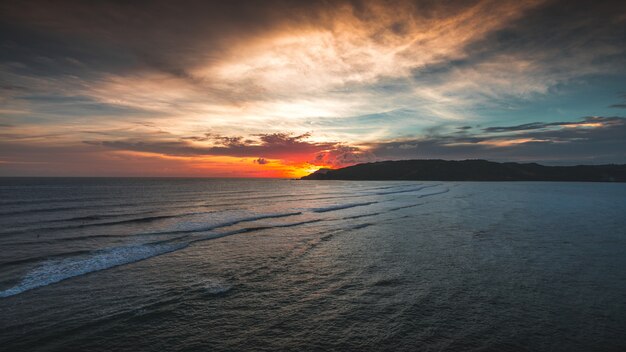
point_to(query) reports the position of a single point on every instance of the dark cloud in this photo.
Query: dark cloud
(565, 144)
(620, 105)
(284, 139)
(68, 35)
(92, 39)
(274, 145)
(343, 155)
(557, 39)
(70, 46)
(526, 126)
(463, 129)
(160, 35)
(542, 125)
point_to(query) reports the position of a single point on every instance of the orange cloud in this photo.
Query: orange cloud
(226, 166)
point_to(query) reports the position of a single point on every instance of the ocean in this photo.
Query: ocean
(154, 264)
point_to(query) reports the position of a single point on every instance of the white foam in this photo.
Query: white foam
(216, 287)
(52, 271)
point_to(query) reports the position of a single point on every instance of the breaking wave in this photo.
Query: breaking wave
(56, 270)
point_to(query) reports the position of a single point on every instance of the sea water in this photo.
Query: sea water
(143, 264)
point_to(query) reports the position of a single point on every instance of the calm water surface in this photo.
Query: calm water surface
(219, 265)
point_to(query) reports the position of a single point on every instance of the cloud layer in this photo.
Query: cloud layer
(300, 84)
(591, 140)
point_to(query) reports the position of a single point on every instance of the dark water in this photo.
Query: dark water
(216, 265)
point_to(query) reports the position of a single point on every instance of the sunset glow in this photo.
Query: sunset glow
(206, 88)
(312, 175)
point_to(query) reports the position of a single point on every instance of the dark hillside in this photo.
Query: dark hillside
(471, 170)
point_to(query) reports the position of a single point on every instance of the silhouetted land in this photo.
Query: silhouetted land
(471, 170)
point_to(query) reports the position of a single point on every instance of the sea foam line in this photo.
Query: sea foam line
(52, 271)
(56, 270)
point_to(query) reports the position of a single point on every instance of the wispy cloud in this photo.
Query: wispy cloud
(590, 140)
(274, 145)
(227, 79)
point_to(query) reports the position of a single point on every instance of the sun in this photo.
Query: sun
(305, 169)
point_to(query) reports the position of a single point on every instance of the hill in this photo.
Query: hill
(471, 170)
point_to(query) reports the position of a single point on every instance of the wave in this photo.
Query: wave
(362, 193)
(189, 229)
(352, 205)
(406, 206)
(135, 220)
(340, 207)
(109, 203)
(81, 263)
(204, 228)
(216, 287)
(360, 226)
(433, 194)
(82, 225)
(41, 210)
(96, 217)
(50, 200)
(360, 216)
(394, 186)
(251, 229)
(26, 260)
(53, 271)
(258, 228)
(406, 190)
(56, 270)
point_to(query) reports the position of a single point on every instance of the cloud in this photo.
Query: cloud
(594, 137)
(284, 146)
(207, 57)
(621, 105)
(342, 155)
(19, 159)
(272, 145)
(354, 80)
(594, 121)
(524, 127)
(591, 140)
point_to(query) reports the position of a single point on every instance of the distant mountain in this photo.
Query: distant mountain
(471, 170)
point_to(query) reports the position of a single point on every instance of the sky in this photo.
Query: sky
(281, 88)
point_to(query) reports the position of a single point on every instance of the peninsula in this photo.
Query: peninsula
(471, 170)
